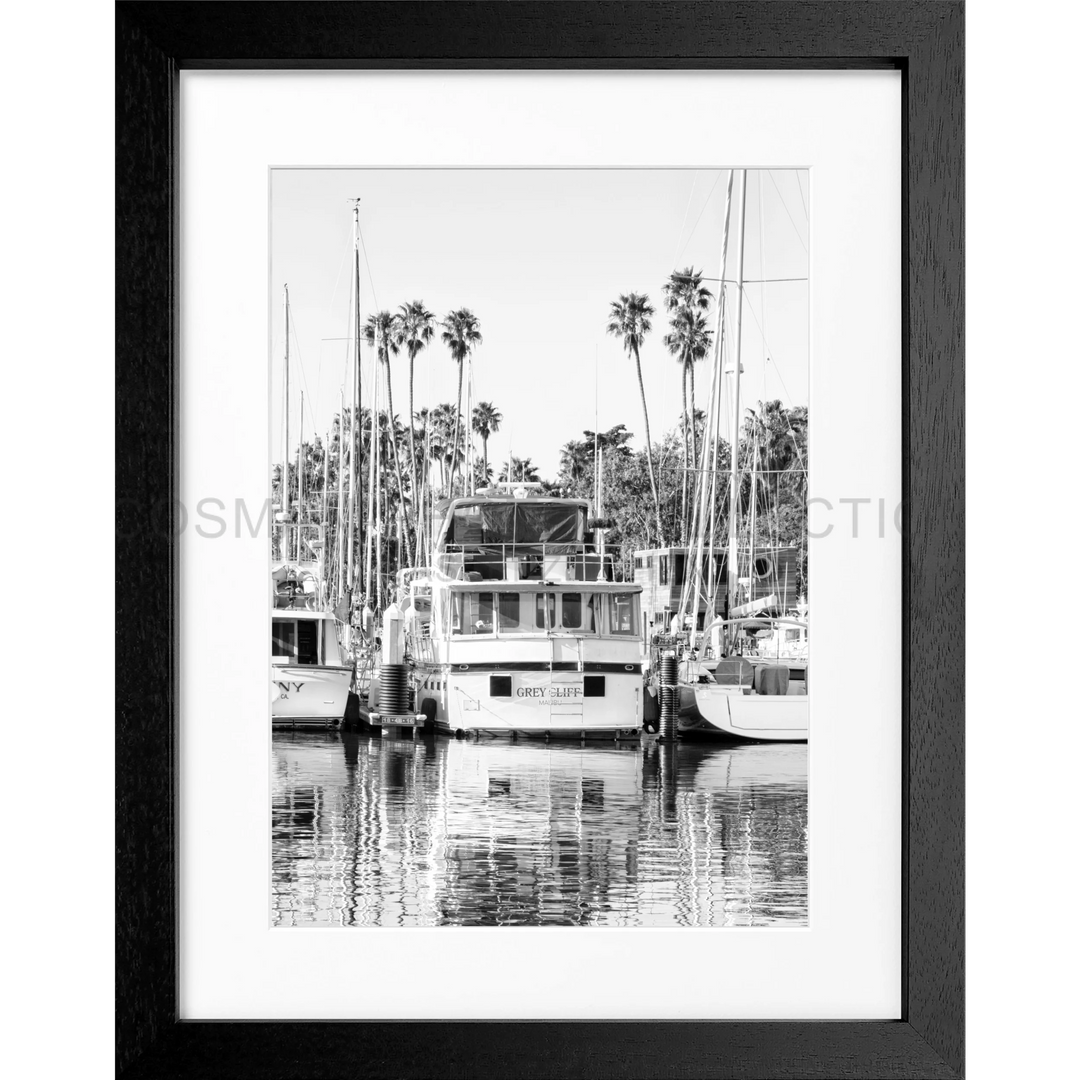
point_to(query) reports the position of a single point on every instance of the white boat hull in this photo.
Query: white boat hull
(309, 695)
(708, 709)
(538, 704)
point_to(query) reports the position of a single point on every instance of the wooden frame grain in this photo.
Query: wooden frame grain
(924, 39)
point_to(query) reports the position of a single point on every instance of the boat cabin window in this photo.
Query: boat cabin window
(527, 613)
(622, 614)
(510, 613)
(297, 640)
(663, 569)
(473, 613)
(284, 639)
(579, 612)
(545, 611)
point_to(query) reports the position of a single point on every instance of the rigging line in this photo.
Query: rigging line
(770, 351)
(337, 280)
(769, 359)
(300, 363)
(700, 212)
(363, 247)
(764, 276)
(686, 214)
(754, 281)
(787, 211)
(746, 297)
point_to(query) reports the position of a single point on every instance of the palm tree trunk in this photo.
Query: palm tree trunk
(414, 478)
(695, 476)
(394, 451)
(686, 459)
(457, 424)
(485, 459)
(648, 450)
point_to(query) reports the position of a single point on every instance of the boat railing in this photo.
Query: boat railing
(419, 647)
(296, 589)
(363, 666)
(526, 562)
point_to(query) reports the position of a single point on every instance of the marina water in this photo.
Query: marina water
(392, 832)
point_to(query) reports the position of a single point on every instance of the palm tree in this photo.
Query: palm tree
(414, 327)
(441, 426)
(615, 438)
(379, 333)
(687, 299)
(519, 471)
(689, 341)
(630, 318)
(574, 458)
(485, 422)
(461, 334)
(482, 474)
(421, 460)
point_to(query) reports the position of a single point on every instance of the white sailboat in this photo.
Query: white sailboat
(755, 687)
(309, 678)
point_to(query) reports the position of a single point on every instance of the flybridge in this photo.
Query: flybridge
(509, 539)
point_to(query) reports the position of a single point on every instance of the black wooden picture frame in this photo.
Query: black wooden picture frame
(924, 39)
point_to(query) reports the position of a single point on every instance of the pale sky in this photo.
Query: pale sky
(538, 255)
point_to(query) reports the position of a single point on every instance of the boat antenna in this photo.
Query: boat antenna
(596, 429)
(285, 451)
(300, 478)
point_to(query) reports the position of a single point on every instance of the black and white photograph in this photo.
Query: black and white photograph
(539, 547)
(465, 364)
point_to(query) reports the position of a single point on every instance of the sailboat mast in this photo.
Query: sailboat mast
(733, 503)
(373, 451)
(376, 457)
(716, 404)
(324, 518)
(753, 510)
(339, 547)
(710, 596)
(354, 424)
(300, 478)
(598, 453)
(358, 389)
(469, 479)
(758, 420)
(285, 451)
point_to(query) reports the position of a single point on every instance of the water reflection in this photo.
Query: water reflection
(392, 832)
